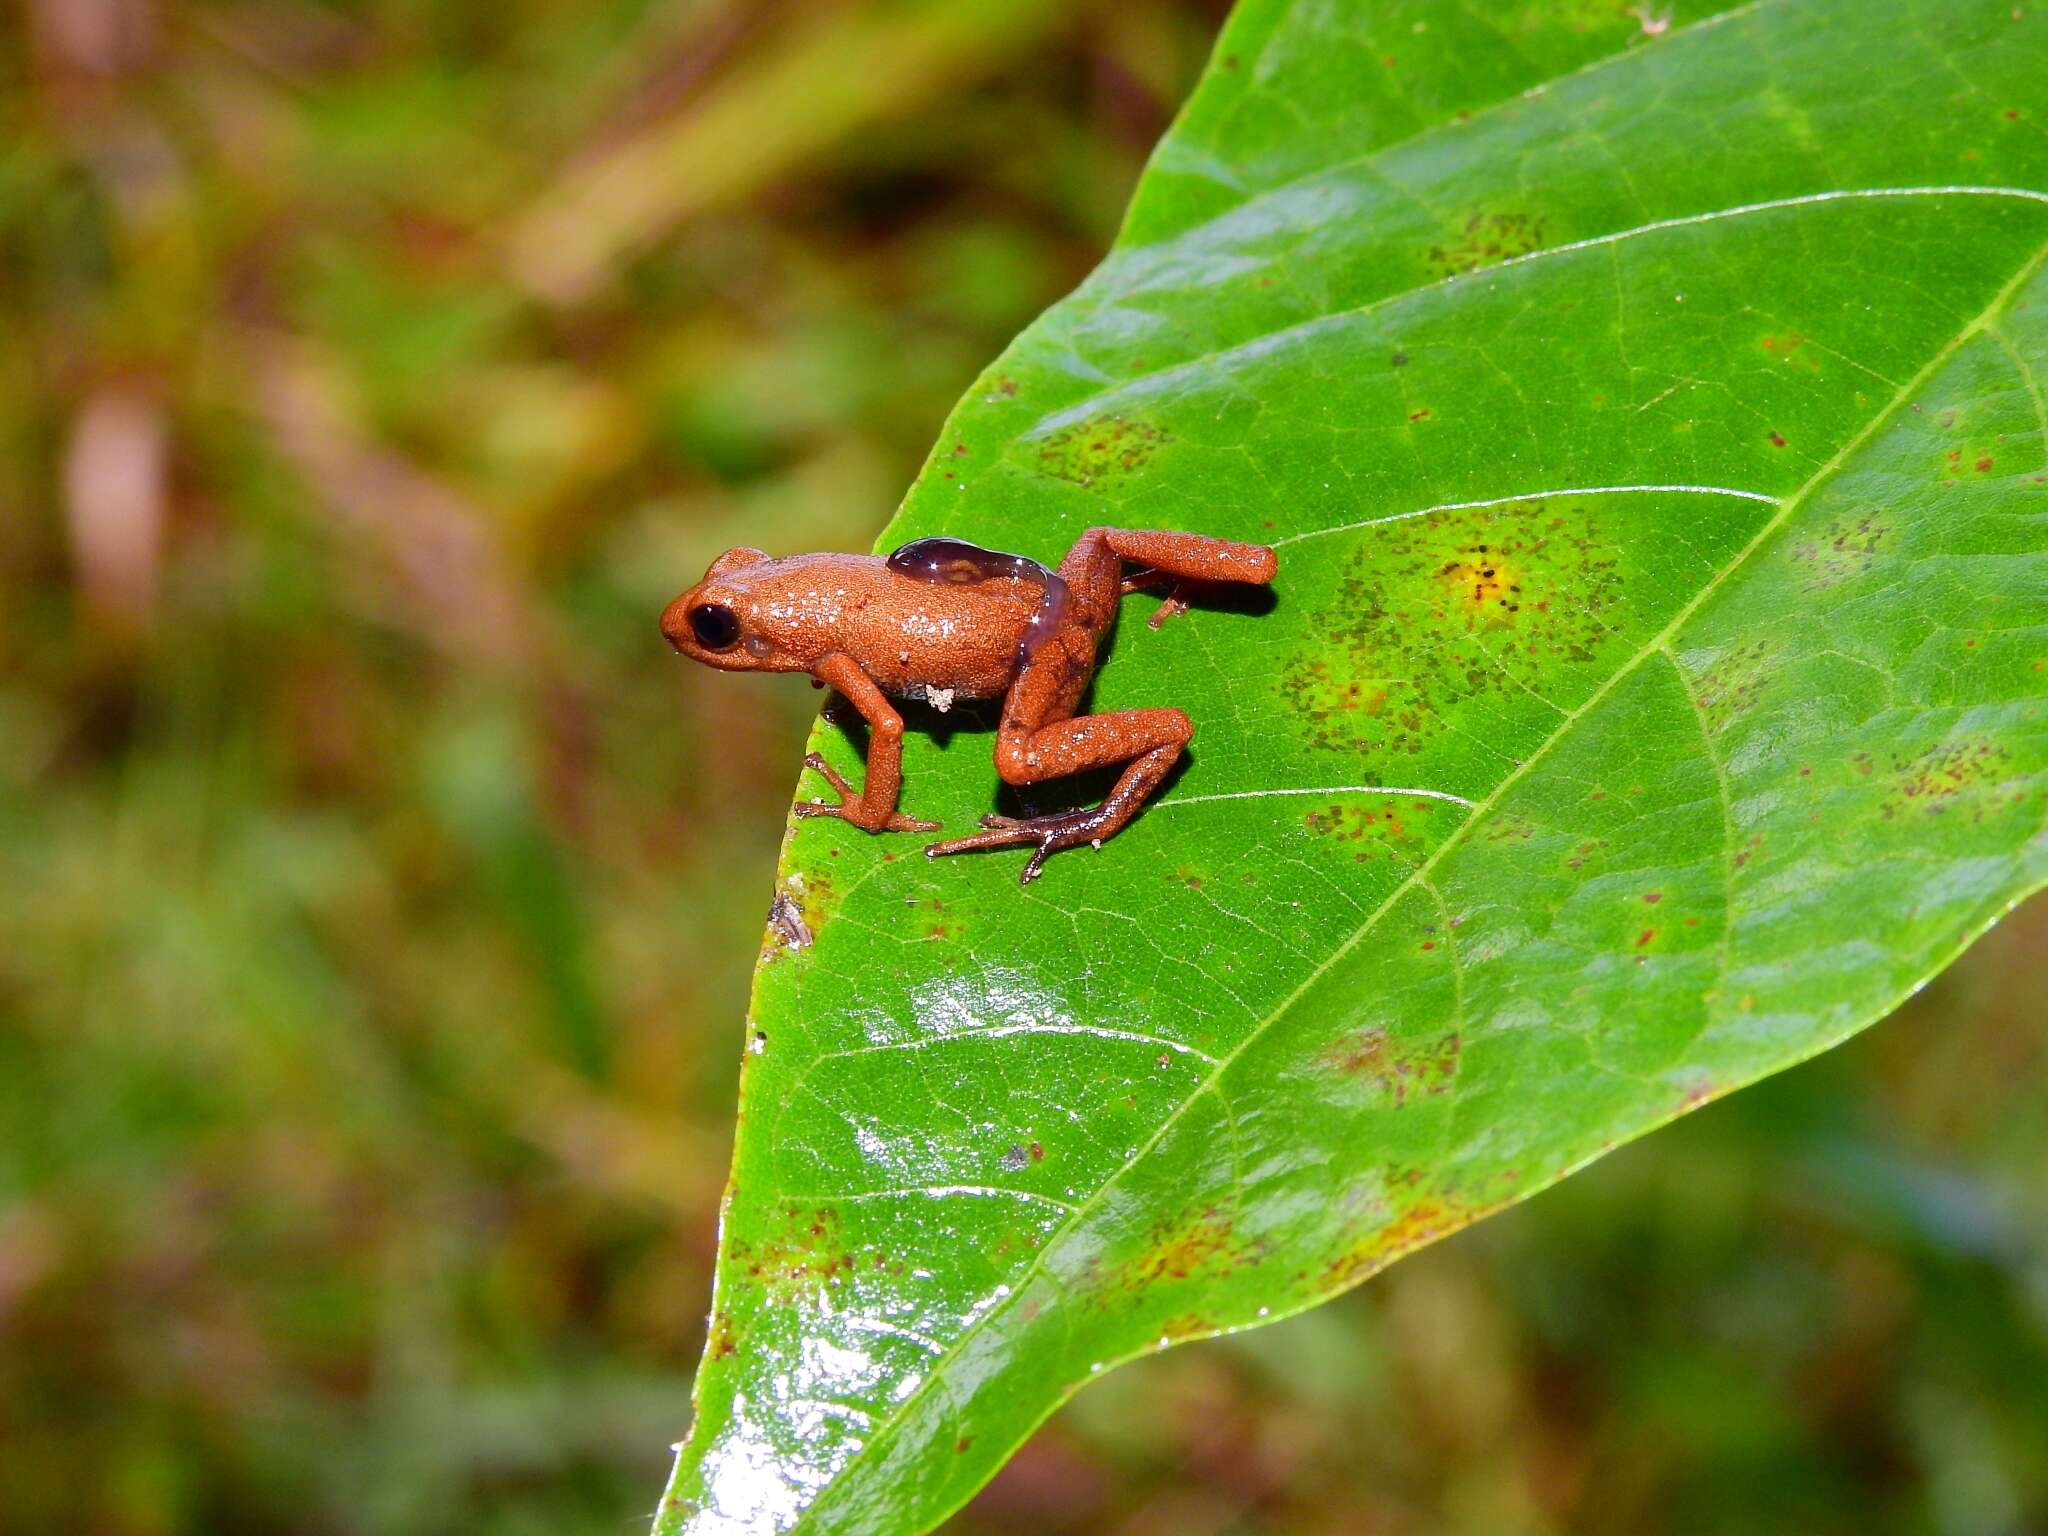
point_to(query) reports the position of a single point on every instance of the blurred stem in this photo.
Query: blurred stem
(814, 88)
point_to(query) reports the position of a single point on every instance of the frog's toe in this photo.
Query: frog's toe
(855, 813)
(1047, 834)
(994, 837)
(832, 775)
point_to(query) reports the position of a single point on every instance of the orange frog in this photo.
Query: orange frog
(941, 620)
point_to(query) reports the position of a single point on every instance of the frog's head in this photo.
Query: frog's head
(716, 621)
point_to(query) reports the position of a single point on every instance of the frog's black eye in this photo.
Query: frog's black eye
(715, 626)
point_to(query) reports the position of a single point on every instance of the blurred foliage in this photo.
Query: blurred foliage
(377, 896)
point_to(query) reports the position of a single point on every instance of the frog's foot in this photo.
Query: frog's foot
(852, 808)
(857, 814)
(1172, 605)
(1064, 829)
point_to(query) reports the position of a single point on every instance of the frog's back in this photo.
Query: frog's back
(918, 636)
(956, 563)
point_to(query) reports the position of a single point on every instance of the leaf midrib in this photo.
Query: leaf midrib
(1656, 643)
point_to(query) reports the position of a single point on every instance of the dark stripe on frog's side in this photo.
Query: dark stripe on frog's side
(955, 562)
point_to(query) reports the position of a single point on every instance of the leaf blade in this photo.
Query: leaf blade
(1614, 948)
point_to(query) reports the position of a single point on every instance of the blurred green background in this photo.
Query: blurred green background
(378, 895)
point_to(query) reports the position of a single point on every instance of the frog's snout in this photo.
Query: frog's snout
(675, 622)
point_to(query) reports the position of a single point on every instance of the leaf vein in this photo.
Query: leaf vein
(998, 1031)
(1089, 405)
(1508, 501)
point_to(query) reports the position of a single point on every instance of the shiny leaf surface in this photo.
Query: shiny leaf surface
(1649, 412)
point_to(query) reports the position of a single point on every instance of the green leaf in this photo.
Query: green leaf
(1651, 421)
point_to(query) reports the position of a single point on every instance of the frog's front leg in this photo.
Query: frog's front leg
(872, 807)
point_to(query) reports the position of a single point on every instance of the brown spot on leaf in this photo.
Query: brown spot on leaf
(1100, 451)
(724, 1342)
(800, 1250)
(1731, 684)
(1380, 827)
(1198, 1242)
(1508, 827)
(1583, 853)
(1187, 1325)
(1397, 1069)
(1845, 549)
(1501, 598)
(1423, 1220)
(1958, 776)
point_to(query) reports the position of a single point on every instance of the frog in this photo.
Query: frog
(940, 620)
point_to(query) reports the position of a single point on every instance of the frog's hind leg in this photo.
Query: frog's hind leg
(1041, 739)
(1148, 740)
(1189, 556)
(1182, 560)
